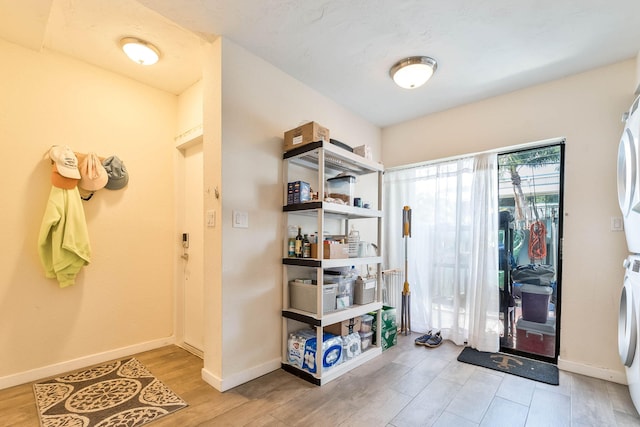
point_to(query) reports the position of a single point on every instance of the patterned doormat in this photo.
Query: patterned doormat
(120, 393)
(515, 365)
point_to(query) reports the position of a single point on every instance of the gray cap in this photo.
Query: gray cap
(117, 172)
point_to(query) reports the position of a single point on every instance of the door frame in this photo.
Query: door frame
(180, 280)
(558, 306)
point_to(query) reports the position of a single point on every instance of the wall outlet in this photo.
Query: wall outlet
(240, 219)
(617, 224)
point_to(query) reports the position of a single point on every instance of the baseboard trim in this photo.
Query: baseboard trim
(81, 362)
(592, 371)
(191, 349)
(224, 384)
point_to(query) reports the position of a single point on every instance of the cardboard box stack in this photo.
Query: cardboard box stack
(332, 250)
(298, 192)
(389, 327)
(305, 134)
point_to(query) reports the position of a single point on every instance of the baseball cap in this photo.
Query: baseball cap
(65, 160)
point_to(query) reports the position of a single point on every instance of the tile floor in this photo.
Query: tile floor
(407, 385)
(444, 392)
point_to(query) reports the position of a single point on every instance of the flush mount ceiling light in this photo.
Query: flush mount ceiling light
(140, 51)
(413, 72)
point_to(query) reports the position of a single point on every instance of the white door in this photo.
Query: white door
(193, 267)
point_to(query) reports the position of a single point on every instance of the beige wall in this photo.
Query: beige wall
(124, 298)
(586, 109)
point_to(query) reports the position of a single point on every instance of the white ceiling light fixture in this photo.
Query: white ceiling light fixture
(413, 72)
(140, 51)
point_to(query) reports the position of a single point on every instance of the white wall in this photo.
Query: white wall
(212, 153)
(189, 134)
(259, 103)
(123, 301)
(586, 109)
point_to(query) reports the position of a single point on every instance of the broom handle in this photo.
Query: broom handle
(406, 267)
(406, 232)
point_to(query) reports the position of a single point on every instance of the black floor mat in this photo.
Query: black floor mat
(510, 364)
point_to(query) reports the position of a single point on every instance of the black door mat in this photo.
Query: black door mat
(510, 364)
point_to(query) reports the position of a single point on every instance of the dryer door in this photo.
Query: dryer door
(627, 324)
(626, 172)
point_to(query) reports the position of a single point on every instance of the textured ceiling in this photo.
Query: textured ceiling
(344, 49)
(90, 30)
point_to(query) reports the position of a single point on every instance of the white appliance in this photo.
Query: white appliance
(629, 326)
(629, 201)
(629, 177)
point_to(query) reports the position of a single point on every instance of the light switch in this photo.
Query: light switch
(240, 219)
(211, 218)
(617, 224)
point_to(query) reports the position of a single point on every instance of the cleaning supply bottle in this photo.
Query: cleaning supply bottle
(354, 241)
(306, 247)
(291, 244)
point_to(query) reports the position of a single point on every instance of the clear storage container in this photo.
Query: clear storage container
(341, 188)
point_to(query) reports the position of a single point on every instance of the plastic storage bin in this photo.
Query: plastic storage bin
(366, 324)
(537, 338)
(535, 302)
(303, 296)
(341, 187)
(344, 298)
(365, 290)
(365, 339)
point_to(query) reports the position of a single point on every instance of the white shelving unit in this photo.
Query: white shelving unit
(328, 160)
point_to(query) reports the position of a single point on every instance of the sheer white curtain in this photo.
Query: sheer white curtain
(452, 252)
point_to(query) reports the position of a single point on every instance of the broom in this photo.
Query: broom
(405, 320)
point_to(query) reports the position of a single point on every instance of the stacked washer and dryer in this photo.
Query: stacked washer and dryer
(629, 200)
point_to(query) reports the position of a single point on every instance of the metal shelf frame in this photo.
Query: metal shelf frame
(328, 160)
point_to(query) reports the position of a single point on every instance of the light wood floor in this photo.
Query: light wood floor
(407, 386)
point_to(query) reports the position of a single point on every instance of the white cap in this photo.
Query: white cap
(65, 160)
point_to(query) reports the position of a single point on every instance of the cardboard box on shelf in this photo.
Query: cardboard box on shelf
(345, 327)
(331, 250)
(364, 151)
(305, 134)
(298, 192)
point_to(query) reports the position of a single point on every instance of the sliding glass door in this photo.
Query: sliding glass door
(530, 193)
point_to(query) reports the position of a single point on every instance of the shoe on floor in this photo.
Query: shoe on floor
(434, 340)
(422, 340)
